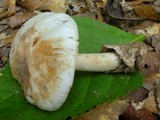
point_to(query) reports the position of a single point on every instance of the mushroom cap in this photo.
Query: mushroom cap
(42, 58)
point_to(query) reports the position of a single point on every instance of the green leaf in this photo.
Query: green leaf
(89, 89)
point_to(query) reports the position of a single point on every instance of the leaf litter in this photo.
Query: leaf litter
(14, 13)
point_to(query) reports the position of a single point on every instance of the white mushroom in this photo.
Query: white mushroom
(43, 59)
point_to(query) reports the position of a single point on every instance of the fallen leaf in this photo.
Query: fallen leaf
(137, 2)
(151, 104)
(3, 27)
(138, 95)
(10, 6)
(2, 36)
(90, 3)
(151, 63)
(55, 6)
(105, 111)
(4, 21)
(142, 114)
(4, 53)
(155, 42)
(30, 4)
(18, 19)
(147, 11)
(3, 15)
(6, 41)
(132, 54)
(100, 8)
(158, 92)
(150, 81)
(76, 7)
(52, 5)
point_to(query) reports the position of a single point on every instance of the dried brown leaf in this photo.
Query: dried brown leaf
(150, 80)
(55, 5)
(30, 4)
(5, 4)
(158, 92)
(137, 2)
(100, 8)
(147, 11)
(90, 4)
(141, 114)
(52, 5)
(10, 6)
(155, 42)
(20, 18)
(150, 104)
(132, 55)
(6, 41)
(3, 15)
(105, 111)
(3, 28)
(4, 21)
(138, 95)
(151, 63)
(4, 53)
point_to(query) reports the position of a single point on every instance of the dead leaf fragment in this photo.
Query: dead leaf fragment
(6, 41)
(138, 95)
(90, 3)
(141, 114)
(4, 28)
(4, 53)
(151, 63)
(147, 11)
(106, 111)
(3, 15)
(138, 2)
(150, 104)
(52, 5)
(155, 42)
(132, 55)
(30, 4)
(55, 5)
(158, 92)
(18, 19)
(10, 6)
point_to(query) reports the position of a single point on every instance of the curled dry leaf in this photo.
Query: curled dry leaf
(106, 112)
(18, 19)
(132, 55)
(147, 11)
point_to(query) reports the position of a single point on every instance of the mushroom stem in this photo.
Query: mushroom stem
(100, 62)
